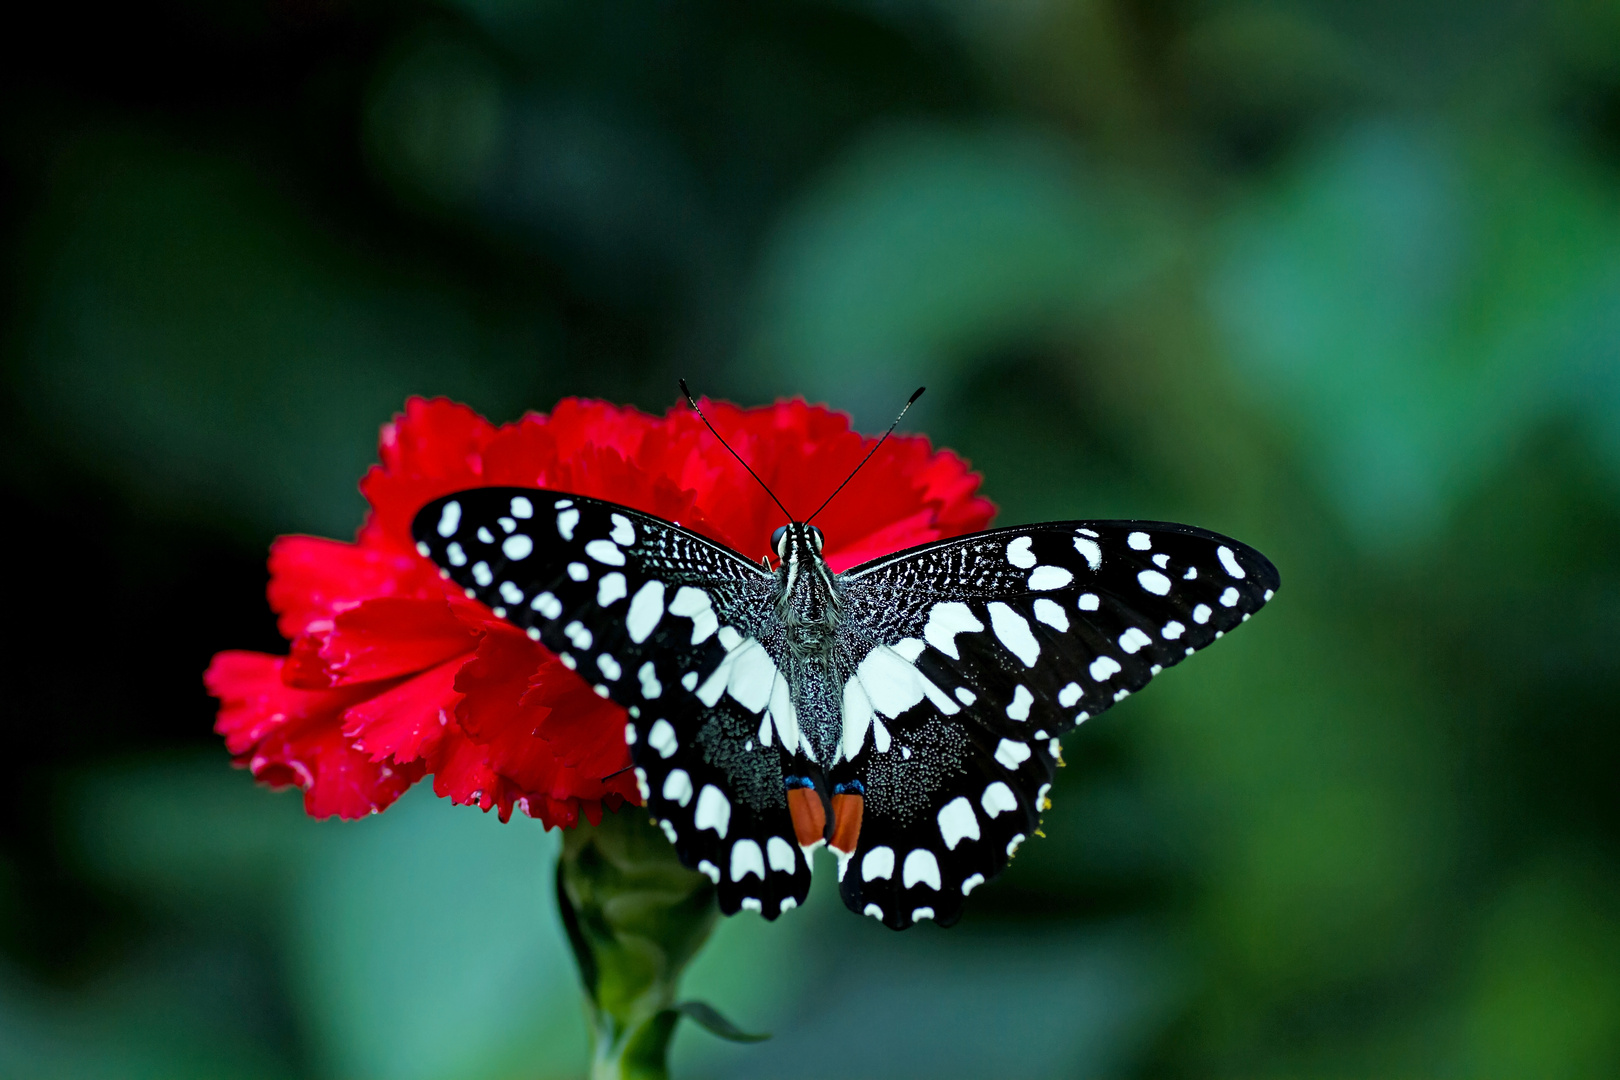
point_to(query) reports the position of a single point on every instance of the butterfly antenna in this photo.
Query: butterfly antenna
(909, 403)
(690, 400)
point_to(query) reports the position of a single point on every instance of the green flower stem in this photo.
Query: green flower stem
(635, 917)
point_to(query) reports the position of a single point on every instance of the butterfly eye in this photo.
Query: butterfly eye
(779, 540)
(816, 538)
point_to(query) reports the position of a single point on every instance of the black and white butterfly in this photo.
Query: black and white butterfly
(906, 712)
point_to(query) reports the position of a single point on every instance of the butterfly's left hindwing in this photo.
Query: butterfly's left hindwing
(667, 624)
(971, 656)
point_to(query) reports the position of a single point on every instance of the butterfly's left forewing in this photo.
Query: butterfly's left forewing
(667, 624)
(971, 656)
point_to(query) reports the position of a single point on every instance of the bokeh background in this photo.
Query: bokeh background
(1339, 278)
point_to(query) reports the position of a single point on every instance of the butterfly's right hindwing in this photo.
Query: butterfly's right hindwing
(665, 623)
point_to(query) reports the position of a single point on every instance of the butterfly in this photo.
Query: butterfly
(905, 713)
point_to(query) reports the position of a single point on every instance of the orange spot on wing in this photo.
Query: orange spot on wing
(847, 810)
(809, 816)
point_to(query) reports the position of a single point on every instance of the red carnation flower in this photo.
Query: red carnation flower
(393, 673)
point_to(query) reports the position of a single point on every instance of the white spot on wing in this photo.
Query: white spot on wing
(482, 575)
(998, 797)
(1012, 630)
(511, 593)
(713, 810)
(605, 552)
(566, 521)
(578, 571)
(782, 713)
(522, 507)
(892, 685)
(449, 519)
(708, 869)
(746, 858)
(1201, 614)
(1046, 578)
(624, 533)
(878, 863)
(1089, 602)
(1052, 614)
(610, 589)
(971, 882)
(966, 696)
(454, 553)
(858, 716)
(945, 621)
(678, 787)
(1070, 694)
(662, 738)
(1172, 630)
(547, 605)
(1011, 754)
(517, 546)
(694, 604)
(1104, 668)
(780, 854)
(1092, 553)
(1022, 700)
(646, 609)
(921, 868)
(1139, 541)
(752, 674)
(1229, 598)
(1154, 582)
(919, 914)
(1229, 561)
(485, 536)
(909, 649)
(651, 688)
(957, 822)
(1018, 553)
(1133, 640)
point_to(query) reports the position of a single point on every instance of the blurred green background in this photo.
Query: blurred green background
(1340, 279)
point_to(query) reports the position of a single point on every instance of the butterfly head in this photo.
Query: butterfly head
(785, 535)
(808, 595)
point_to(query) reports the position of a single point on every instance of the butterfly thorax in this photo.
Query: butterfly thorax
(810, 601)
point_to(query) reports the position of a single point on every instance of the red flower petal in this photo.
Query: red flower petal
(406, 722)
(389, 637)
(388, 657)
(313, 579)
(289, 738)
